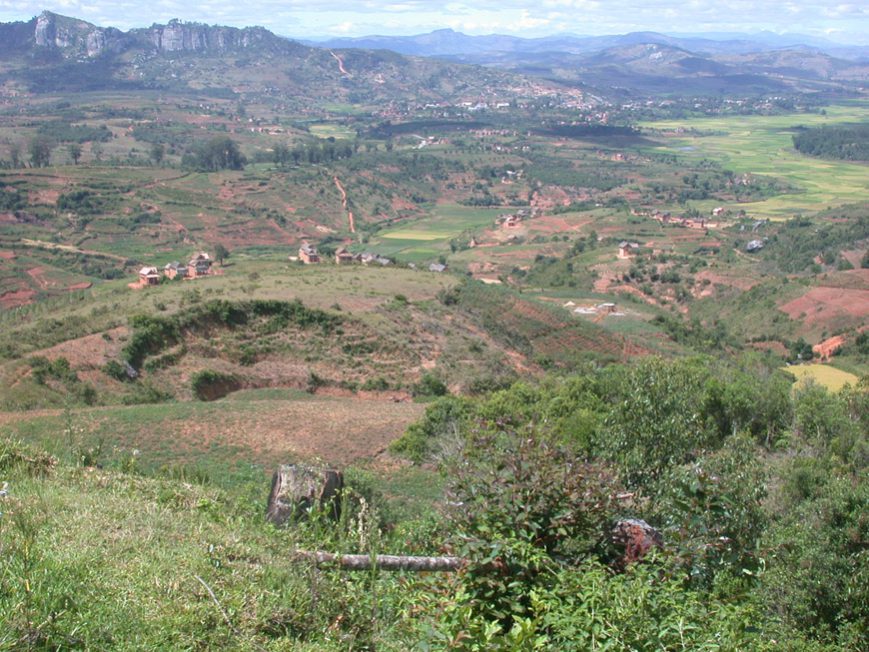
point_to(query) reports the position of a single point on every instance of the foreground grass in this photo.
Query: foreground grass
(92, 559)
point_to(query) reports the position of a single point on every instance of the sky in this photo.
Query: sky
(846, 22)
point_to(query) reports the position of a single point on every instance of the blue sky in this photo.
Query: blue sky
(846, 22)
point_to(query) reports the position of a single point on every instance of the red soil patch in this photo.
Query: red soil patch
(828, 347)
(84, 285)
(38, 276)
(16, 298)
(854, 257)
(49, 197)
(827, 305)
(7, 255)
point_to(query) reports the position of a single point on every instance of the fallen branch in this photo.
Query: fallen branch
(383, 562)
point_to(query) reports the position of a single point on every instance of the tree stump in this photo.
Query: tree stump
(296, 489)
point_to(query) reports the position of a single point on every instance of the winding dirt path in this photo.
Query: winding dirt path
(340, 64)
(344, 204)
(41, 244)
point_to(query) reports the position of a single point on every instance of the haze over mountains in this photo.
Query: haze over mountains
(449, 43)
(648, 62)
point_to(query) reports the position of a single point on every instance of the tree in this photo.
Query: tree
(97, 151)
(280, 154)
(657, 421)
(74, 151)
(40, 152)
(221, 253)
(158, 150)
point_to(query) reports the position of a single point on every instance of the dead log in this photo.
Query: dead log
(296, 489)
(383, 562)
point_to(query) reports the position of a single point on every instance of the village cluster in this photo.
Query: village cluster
(309, 255)
(198, 266)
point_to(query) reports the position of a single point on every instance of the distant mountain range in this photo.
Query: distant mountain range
(53, 53)
(449, 43)
(649, 62)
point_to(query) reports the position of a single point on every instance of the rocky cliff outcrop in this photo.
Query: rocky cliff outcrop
(76, 37)
(177, 36)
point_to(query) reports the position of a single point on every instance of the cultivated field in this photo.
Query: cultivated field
(763, 145)
(247, 430)
(830, 377)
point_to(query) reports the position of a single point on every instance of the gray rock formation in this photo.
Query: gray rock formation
(75, 37)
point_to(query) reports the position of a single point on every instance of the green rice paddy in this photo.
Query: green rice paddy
(430, 236)
(338, 132)
(763, 145)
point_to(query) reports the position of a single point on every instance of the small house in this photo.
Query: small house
(513, 222)
(175, 270)
(754, 245)
(437, 267)
(199, 265)
(343, 257)
(308, 254)
(717, 211)
(149, 276)
(628, 249)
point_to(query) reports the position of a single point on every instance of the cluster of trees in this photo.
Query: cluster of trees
(759, 549)
(313, 152)
(218, 153)
(846, 142)
(801, 240)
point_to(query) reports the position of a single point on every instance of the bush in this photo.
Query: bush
(522, 507)
(210, 385)
(430, 385)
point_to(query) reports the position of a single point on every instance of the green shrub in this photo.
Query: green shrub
(430, 385)
(209, 385)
